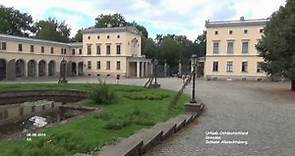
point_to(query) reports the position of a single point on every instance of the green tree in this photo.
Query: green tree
(277, 46)
(114, 20)
(150, 49)
(13, 22)
(52, 30)
(169, 51)
(78, 36)
(200, 44)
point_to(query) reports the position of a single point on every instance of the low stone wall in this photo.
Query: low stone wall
(51, 95)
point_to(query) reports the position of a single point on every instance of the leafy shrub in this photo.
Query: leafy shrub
(104, 116)
(116, 124)
(145, 96)
(102, 94)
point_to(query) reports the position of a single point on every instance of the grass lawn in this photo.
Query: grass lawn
(134, 108)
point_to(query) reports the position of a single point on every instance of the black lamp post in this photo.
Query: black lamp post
(62, 78)
(194, 62)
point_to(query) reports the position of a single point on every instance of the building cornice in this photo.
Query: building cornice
(236, 23)
(129, 29)
(4, 37)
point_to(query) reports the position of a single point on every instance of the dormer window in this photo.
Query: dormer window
(230, 32)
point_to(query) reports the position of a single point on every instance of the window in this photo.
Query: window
(42, 49)
(97, 49)
(98, 37)
(51, 50)
(108, 65)
(89, 64)
(215, 66)
(230, 32)
(32, 48)
(229, 66)
(118, 49)
(260, 30)
(230, 47)
(62, 51)
(245, 47)
(73, 52)
(80, 51)
(118, 36)
(118, 67)
(98, 65)
(245, 31)
(20, 47)
(108, 49)
(215, 47)
(88, 37)
(65, 51)
(88, 49)
(108, 37)
(259, 67)
(216, 32)
(245, 66)
(3, 45)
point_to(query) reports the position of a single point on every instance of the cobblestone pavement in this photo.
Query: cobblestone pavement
(265, 110)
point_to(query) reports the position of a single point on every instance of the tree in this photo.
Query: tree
(169, 51)
(200, 44)
(150, 49)
(115, 20)
(52, 30)
(277, 46)
(78, 36)
(13, 22)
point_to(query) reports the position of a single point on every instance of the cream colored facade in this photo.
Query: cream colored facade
(231, 52)
(25, 57)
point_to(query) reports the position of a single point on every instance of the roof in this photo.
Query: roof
(236, 23)
(37, 41)
(130, 29)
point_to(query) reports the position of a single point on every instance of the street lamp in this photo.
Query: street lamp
(155, 70)
(194, 62)
(62, 77)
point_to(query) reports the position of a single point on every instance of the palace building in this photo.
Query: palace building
(103, 52)
(231, 51)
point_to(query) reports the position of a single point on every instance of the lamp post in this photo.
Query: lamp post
(62, 77)
(156, 84)
(194, 62)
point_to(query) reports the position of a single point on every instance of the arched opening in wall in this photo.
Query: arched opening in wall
(74, 69)
(32, 68)
(42, 68)
(51, 68)
(2, 69)
(20, 68)
(80, 68)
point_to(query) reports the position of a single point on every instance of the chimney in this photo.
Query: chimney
(242, 18)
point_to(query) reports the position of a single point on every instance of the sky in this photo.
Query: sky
(181, 17)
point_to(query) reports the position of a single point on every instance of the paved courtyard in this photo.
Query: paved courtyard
(265, 110)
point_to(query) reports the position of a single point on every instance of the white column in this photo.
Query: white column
(138, 69)
(25, 69)
(37, 69)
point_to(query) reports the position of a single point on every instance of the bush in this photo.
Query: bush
(145, 96)
(116, 124)
(104, 116)
(102, 94)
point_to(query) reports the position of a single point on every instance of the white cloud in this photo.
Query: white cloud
(180, 17)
